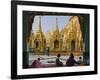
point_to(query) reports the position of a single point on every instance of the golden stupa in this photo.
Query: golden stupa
(68, 40)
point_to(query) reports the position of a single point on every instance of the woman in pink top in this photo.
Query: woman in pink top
(37, 63)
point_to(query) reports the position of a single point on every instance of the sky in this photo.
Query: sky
(49, 23)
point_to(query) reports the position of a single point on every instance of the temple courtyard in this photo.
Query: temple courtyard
(49, 60)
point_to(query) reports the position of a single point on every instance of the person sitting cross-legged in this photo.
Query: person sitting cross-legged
(58, 62)
(71, 61)
(37, 64)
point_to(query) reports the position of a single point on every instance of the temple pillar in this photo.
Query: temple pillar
(76, 46)
(27, 26)
(86, 38)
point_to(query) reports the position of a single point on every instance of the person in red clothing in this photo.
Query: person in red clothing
(71, 61)
(33, 65)
(37, 63)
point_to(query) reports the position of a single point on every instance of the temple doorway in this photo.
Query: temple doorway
(36, 44)
(73, 45)
(56, 44)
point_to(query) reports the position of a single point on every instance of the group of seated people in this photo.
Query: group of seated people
(69, 62)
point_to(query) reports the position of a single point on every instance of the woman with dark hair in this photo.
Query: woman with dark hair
(58, 62)
(71, 61)
(37, 63)
(80, 60)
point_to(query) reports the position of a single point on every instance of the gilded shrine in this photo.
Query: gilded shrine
(68, 40)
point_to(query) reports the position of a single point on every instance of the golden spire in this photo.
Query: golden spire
(40, 29)
(57, 24)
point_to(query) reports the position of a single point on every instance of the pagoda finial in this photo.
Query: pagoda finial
(57, 24)
(40, 29)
